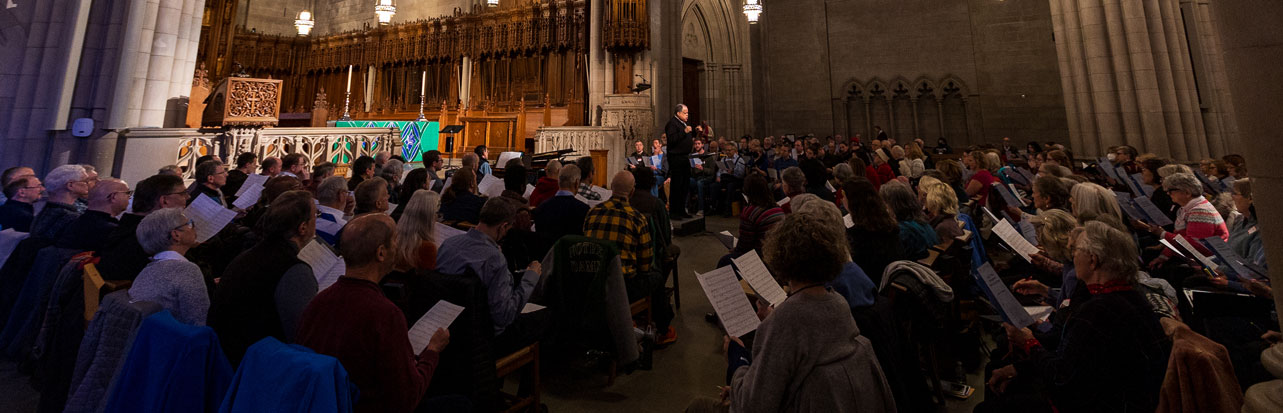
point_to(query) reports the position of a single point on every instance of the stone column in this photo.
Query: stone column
(598, 68)
(1253, 51)
(1127, 79)
(709, 96)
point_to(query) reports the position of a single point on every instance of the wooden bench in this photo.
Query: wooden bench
(96, 288)
(526, 358)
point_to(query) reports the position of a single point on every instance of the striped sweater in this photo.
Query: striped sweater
(1196, 220)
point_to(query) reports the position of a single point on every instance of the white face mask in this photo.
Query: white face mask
(1111, 156)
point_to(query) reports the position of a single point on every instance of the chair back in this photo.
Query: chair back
(900, 366)
(576, 293)
(467, 365)
(9, 240)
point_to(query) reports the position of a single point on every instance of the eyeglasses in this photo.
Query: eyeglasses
(191, 223)
(184, 192)
(130, 193)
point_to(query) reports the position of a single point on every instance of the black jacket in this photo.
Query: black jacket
(89, 232)
(680, 142)
(557, 217)
(17, 215)
(244, 307)
(122, 257)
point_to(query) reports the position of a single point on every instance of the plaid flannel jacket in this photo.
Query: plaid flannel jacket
(616, 221)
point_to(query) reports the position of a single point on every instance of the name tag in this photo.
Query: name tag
(1251, 230)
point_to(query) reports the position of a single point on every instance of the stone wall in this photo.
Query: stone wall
(272, 16)
(277, 16)
(822, 57)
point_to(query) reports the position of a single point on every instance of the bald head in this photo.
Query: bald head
(111, 195)
(368, 240)
(622, 184)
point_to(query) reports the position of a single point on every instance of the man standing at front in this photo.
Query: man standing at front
(679, 149)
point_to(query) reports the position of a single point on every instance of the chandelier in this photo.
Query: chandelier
(492, 3)
(304, 23)
(385, 10)
(752, 9)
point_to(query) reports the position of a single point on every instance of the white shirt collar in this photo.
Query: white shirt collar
(168, 255)
(338, 215)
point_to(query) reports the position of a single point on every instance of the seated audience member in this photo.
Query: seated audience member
(483, 160)
(478, 250)
(372, 197)
(562, 214)
(64, 185)
(320, 172)
(586, 171)
(881, 168)
(1150, 176)
(659, 165)
(433, 163)
(19, 208)
(617, 221)
(914, 163)
(952, 174)
(460, 202)
(415, 180)
(381, 158)
(514, 181)
(210, 178)
(362, 169)
(851, 283)
(1196, 219)
(982, 178)
(875, 236)
(1055, 231)
(122, 256)
(941, 206)
(170, 279)
(353, 322)
(808, 352)
(792, 183)
(703, 177)
(82, 203)
(10, 174)
(1050, 193)
(272, 189)
(264, 290)
(758, 216)
(391, 173)
(91, 230)
(332, 199)
(1244, 237)
(636, 159)
(416, 231)
(916, 236)
(173, 170)
(271, 167)
(644, 201)
(294, 165)
(546, 187)
(1112, 354)
(469, 163)
(1091, 202)
(246, 163)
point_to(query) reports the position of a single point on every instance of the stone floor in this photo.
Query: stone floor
(690, 368)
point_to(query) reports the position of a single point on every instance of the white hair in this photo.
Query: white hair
(57, 179)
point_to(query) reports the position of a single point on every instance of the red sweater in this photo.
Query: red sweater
(1197, 220)
(353, 322)
(545, 189)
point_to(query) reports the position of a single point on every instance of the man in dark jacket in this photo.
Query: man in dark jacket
(18, 211)
(562, 214)
(679, 149)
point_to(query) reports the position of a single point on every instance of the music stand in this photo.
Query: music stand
(449, 140)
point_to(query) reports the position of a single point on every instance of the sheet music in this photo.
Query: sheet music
(1016, 193)
(656, 161)
(646, 161)
(591, 203)
(728, 299)
(1172, 247)
(782, 201)
(1001, 297)
(753, 270)
(990, 214)
(251, 181)
(530, 189)
(1013, 238)
(327, 267)
(1039, 312)
(727, 239)
(1227, 255)
(605, 193)
(531, 307)
(773, 174)
(391, 207)
(1007, 196)
(1016, 176)
(1027, 230)
(829, 186)
(846, 220)
(445, 232)
(440, 316)
(1215, 188)
(1029, 176)
(1131, 183)
(696, 162)
(250, 196)
(1198, 255)
(1108, 168)
(490, 186)
(1155, 215)
(1139, 179)
(209, 215)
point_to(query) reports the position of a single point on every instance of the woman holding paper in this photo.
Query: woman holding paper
(808, 355)
(1197, 218)
(981, 182)
(1112, 354)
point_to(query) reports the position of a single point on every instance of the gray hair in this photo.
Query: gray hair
(794, 178)
(801, 200)
(57, 179)
(393, 167)
(902, 201)
(1113, 248)
(1184, 182)
(843, 172)
(679, 108)
(569, 177)
(1174, 168)
(330, 188)
(155, 229)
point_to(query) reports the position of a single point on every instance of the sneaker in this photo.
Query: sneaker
(669, 337)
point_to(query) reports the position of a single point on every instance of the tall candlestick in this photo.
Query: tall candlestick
(349, 78)
(423, 85)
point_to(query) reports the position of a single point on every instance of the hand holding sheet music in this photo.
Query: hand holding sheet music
(209, 216)
(327, 266)
(753, 270)
(1156, 216)
(1012, 238)
(1001, 298)
(250, 191)
(1226, 255)
(728, 299)
(490, 186)
(439, 317)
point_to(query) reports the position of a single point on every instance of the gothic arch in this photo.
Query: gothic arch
(716, 33)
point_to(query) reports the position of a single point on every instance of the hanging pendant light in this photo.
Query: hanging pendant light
(492, 3)
(753, 10)
(305, 23)
(384, 9)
